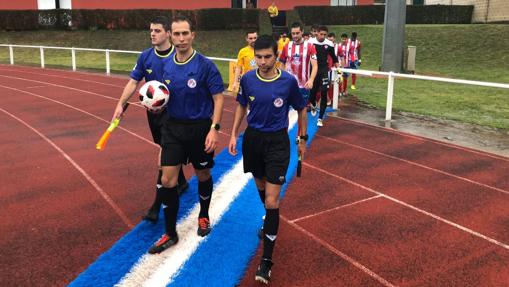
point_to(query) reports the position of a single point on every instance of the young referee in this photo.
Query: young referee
(150, 67)
(190, 134)
(269, 93)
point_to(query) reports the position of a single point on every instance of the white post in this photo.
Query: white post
(335, 89)
(42, 56)
(390, 94)
(11, 55)
(108, 62)
(73, 59)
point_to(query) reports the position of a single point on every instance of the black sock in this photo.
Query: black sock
(205, 191)
(323, 104)
(158, 200)
(182, 178)
(170, 200)
(270, 227)
(261, 193)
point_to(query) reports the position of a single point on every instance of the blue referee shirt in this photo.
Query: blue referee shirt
(150, 65)
(269, 100)
(192, 85)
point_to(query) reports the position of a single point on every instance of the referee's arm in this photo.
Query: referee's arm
(212, 137)
(240, 113)
(129, 90)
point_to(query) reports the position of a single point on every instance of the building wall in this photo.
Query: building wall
(152, 4)
(485, 11)
(365, 2)
(18, 5)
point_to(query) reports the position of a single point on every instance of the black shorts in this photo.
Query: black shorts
(184, 142)
(156, 122)
(266, 154)
(321, 81)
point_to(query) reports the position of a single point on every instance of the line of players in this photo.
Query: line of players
(310, 58)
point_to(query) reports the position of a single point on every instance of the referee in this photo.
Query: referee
(191, 131)
(269, 93)
(150, 67)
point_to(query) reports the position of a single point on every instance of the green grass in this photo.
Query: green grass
(473, 52)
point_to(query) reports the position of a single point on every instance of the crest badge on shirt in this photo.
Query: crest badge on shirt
(252, 63)
(278, 102)
(191, 83)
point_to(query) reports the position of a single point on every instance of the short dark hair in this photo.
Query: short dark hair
(250, 31)
(354, 35)
(305, 34)
(296, 25)
(265, 42)
(163, 20)
(344, 35)
(182, 18)
(315, 27)
(331, 34)
(323, 28)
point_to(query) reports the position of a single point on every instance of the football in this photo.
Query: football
(154, 96)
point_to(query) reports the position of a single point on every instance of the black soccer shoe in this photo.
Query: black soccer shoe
(264, 270)
(182, 187)
(203, 226)
(152, 215)
(163, 243)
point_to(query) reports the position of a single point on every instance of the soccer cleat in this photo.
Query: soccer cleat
(263, 272)
(163, 243)
(353, 87)
(182, 187)
(152, 215)
(203, 226)
(319, 123)
(313, 110)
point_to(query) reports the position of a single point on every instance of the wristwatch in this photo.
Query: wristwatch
(304, 137)
(215, 126)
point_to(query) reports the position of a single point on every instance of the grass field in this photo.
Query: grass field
(474, 52)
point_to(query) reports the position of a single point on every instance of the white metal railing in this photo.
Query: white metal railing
(391, 76)
(73, 54)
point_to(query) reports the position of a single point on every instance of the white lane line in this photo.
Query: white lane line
(468, 230)
(422, 139)
(82, 111)
(334, 209)
(339, 253)
(417, 164)
(161, 269)
(64, 77)
(103, 194)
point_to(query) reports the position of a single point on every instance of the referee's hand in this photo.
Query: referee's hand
(211, 141)
(232, 146)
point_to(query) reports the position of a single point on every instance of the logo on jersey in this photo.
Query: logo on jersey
(296, 59)
(251, 98)
(282, 178)
(149, 71)
(252, 63)
(278, 102)
(167, 82)
(191, 83)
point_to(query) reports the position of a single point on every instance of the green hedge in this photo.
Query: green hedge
(374, 14)
(205, 19)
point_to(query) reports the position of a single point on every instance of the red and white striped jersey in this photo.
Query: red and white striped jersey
(296, 59)
(354, 47)
(343, 50)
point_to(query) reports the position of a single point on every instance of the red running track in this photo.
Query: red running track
(375, 207)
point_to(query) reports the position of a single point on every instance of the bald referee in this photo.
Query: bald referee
(150, 67)
(191, 132)
(269, 93)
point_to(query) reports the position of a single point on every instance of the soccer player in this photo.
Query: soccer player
(150, 67)
(269, 93)
(355, 56)
(314, 30)
(299, 59)
(283, 40)
(190, 134)
(324, 48)
(343, 53)
(245, 59)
